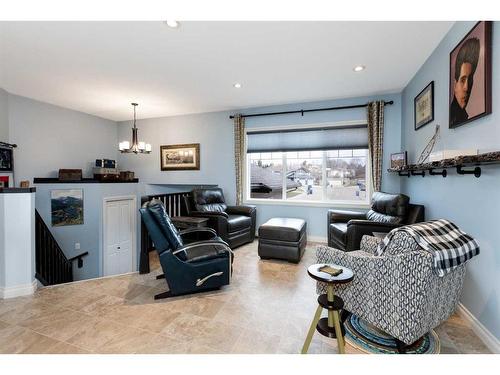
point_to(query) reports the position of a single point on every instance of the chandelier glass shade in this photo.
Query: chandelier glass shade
(136, 147)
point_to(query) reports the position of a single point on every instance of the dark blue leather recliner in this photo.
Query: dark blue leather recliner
(188, 267)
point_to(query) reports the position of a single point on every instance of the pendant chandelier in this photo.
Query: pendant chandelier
(136, 147)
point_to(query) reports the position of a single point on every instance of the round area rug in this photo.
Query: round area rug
(370, 339)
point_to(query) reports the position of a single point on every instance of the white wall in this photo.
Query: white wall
(51, 137)
(4, 116)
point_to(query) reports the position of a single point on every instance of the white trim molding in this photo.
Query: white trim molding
(18, 290)
(479, 329)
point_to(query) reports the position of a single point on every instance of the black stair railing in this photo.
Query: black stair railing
(175, 206)
(52, 266)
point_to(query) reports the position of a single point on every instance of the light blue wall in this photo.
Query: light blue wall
(51, 137)
(214, 131)
(89, 234)
(472, 203)
(4, 116)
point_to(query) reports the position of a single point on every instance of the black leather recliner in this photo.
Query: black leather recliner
(234, 224)
(188, 267)
(388, 211)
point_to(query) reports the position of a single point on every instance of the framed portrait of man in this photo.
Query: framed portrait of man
(470, 76)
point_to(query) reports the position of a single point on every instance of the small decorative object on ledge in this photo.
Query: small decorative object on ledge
(462, 163)
(70, 174)
(399, 159)
(126, 176)
(430, 146)
(24, 184)
(105, 163)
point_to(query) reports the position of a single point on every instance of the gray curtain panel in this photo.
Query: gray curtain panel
(375, 116)
(239, 152)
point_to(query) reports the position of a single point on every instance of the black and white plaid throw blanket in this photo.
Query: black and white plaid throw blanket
(450, 246)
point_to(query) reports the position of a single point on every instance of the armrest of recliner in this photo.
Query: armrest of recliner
(191, 235)
(245, 210)
(343, 216)
(209, 214)
(205, 250)
(356, 229)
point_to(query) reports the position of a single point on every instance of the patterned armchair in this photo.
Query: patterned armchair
(399, 292)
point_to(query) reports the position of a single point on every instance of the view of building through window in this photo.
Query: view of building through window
(329, 175)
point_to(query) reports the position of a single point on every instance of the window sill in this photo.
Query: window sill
(332, 204)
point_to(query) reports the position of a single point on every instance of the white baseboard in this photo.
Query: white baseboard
(479, 329)
(317, 239)
(18, 290)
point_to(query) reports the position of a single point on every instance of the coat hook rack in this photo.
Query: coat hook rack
(415, 173)
(443, 173)
(406, 174)
(476, 171)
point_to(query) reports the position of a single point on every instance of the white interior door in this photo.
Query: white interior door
(119, 235)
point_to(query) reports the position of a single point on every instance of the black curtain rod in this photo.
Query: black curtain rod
(302, 111)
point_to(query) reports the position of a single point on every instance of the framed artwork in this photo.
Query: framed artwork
(66, 207)
(470, 76)
(423, 106)
(180, 157)
(6, 160)
(399, 160)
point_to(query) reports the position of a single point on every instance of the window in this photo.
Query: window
(310, 175)
(330, 175)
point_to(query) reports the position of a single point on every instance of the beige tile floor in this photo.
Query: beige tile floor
(267, 309)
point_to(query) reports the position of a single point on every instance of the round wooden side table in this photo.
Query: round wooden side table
(332, 326)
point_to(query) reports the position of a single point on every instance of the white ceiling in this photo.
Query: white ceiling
(100, 67)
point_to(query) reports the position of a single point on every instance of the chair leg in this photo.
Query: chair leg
(169, 294)
(401, 346)
(344, 315)
(164, 295)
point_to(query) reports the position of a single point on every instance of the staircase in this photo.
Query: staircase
(52, 266)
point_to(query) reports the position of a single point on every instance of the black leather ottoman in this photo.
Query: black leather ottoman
(283, 238)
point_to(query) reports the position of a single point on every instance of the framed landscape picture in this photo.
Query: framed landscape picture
(66, 207)
(470, 76)
(423, 106)
(399, 160)
(180, 157)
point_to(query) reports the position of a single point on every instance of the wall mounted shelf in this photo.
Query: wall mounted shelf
(46, 180)
(464, 165)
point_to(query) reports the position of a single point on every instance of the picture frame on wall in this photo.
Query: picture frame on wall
(181, 157)
(423, 106)
(399, 160)
(6, 159)
(470, 76)
(66, 207)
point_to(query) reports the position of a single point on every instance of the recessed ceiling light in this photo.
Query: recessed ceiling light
(172, 23)
(237, 85)
(359, 68)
